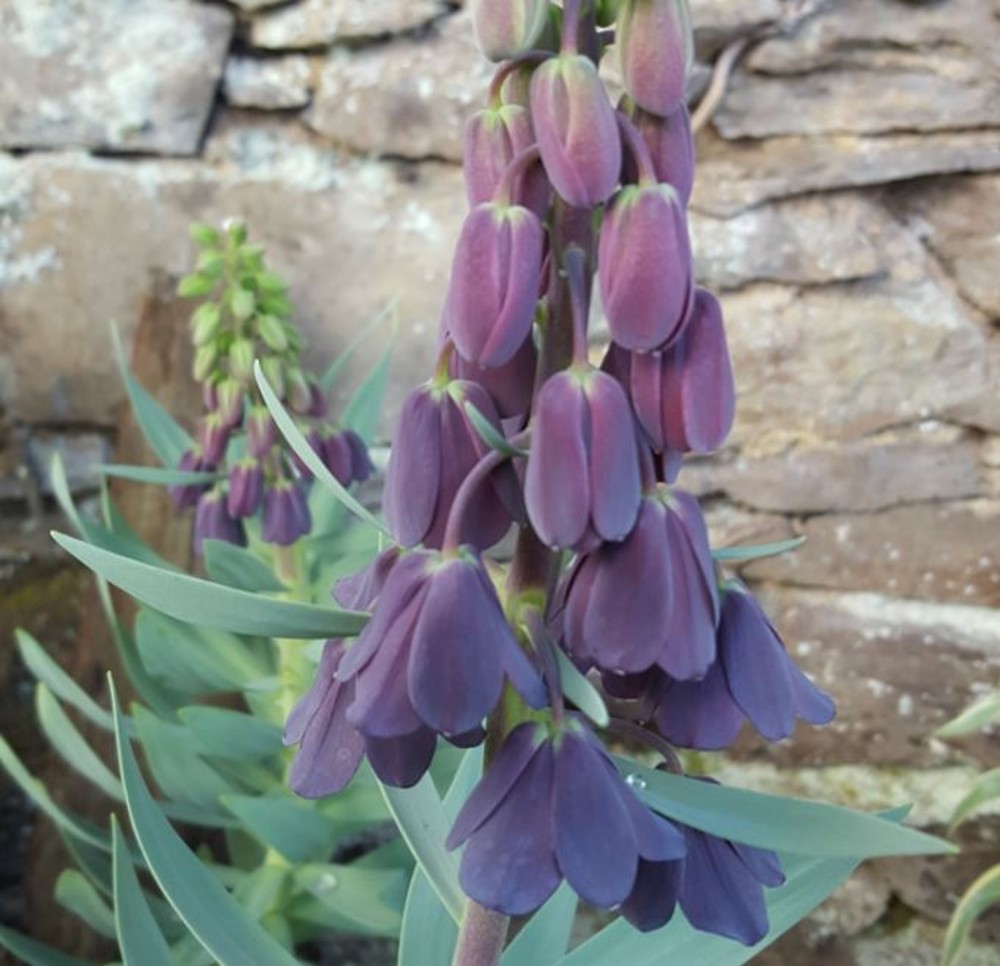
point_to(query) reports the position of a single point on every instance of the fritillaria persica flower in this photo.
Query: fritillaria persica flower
(655, 51)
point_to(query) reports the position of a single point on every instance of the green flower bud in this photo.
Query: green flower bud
(205, 323)
(241, 355)
(204, 361)
(272, 332)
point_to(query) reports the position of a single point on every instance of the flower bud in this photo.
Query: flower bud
(204, 361)
(186, 495)
(436, 447)
(272, 331)
(213, 437)
(582, 478)
(576, 130)
(346, 457)
(286, 514)
(212, 521)
(684, 397)
(300, 397)
(274, 373)
(494, 282)
(506, 28)
(230, 398)
(246, 488)
(670, 142)
(644, 266)
(655, 50)
(241, 355)
(205, 323)
(261, 432)
(493, 139)
(361, 461)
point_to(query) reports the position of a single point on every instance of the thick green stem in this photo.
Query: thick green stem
(482, 937)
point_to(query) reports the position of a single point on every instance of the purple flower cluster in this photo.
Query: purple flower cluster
(612, 564)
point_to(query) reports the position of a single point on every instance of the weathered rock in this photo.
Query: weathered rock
(274, 83)
(318, 23)
(81, 454)
(732, 526)
(959, 218)
(253, 5)
(122, 75)
(807, 241)
(351, 239)
(738, 175)
(718, 21)
(861, 67)
(933, 551)
(410, 98)
(897, 669)
(874, 473)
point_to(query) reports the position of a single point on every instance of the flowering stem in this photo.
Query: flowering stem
(572, 10)
(530, 58)
(576, 278)
(482, 936)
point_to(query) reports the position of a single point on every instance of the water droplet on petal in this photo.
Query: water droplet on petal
(636, 781)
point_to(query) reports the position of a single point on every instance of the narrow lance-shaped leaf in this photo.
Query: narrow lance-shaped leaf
(216, 919)
(300, 445)
(982, 894)
(979, 714)
(363, 410)
(758, 551)
(160, 476)
(775, 822)
(214, 605)
(162, 431)
(489, 434)
(34, 953)
(139, 937)
(74, 892)
(339, 364)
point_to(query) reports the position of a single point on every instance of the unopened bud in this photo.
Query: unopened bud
(506, 28)
(494, 282)
(241, 354)
(274, 373)
(670, 142)
(655, 49)
(272, 332)
(230, 399)
(204, 362)
(644, 264)
(246, 488)
(205, 323)
(576, 130)
(261, 432)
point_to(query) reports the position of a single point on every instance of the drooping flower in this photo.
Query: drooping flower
(582, 477)
(213, 438)
(246, 488)
(670, 142)
(576, 130)
(651, 599)
(763, 679)
(262, 434)
(286, 514)
(510, 386)
(645, 267)
(186, 495)
(212, 521)
(655, 50)
(553, 806)
(345, 455)
(436, 448)
(685, 396)
(436, 651)
(494, 283)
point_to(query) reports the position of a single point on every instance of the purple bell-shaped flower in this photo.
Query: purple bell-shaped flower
(553, 806)
(651, 599)
(582, 478)
(684, 396)
(507, 28)
(212, 521)
(246, 488)
(436, 448)
(655, 50)
(286, 514)
(670, 142)
(436, 652)
(645, 267)
(186, 495)
(576, 130)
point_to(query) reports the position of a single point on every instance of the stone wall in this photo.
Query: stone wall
(847, 208)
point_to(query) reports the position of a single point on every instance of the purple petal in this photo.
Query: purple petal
(595, 841)
(811, 704)
(699, 714)
(455, 674)
(514, 756)
(614, 459)
(689, 511)
(719, 894)
(310, 702)
(414, 472)
(653, 898)
(764, 865)
(630, 600)
(403, 760)
(508, 863)
(646, 388)
(555, 489)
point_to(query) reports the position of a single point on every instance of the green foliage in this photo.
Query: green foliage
(984, 892)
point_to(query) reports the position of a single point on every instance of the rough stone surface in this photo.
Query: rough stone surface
(717, 21)
(122, 75)
(316, 23)
(881, 471)
(861, 67)
(807, 241)
(392, 228)
(735, 176)
(897, 670)
(959, 219)
(410, 98)
(947, 551)
(270, 84)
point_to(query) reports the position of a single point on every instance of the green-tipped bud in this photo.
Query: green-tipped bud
(204, 361)
(655, 48)
(241, 354)
(243, 303)
(506, 28)
(270, 329)
(300, 396)
(205, 323)
(230, 397)
(274, 373)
